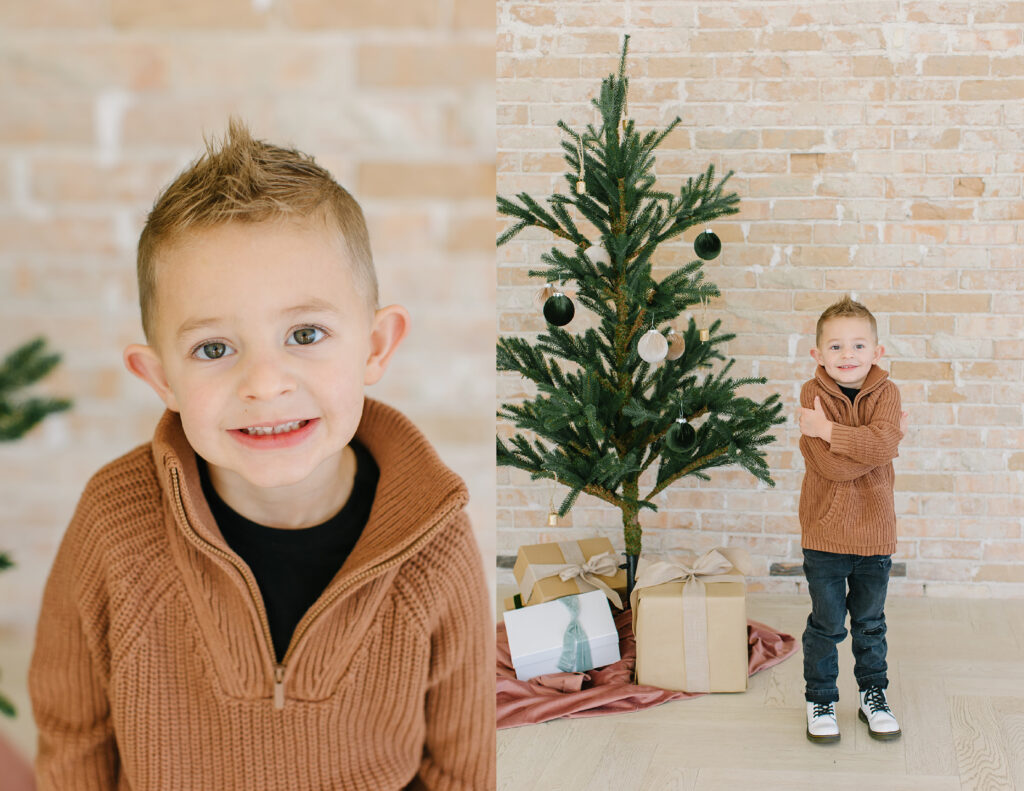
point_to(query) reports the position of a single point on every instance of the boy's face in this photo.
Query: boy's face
(260, 325)
(848, 348)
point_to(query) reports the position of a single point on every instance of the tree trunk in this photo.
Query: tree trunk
(630, 573)
(632, 533)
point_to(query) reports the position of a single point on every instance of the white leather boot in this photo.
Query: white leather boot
(821, 722)
(874, 710)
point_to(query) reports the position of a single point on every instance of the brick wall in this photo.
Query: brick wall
(876, 148)
(105, 101)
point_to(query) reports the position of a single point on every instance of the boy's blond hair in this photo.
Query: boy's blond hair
(248, 180)
(842, 308)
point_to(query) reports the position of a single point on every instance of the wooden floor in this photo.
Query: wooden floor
(956, 683)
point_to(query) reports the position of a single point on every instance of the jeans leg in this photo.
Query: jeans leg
(826, 582)
(866, 602)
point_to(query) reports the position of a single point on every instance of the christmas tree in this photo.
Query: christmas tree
(24, 366)
(607, 408)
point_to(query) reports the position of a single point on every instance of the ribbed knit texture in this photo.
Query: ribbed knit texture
(152, 670)
(846, 501)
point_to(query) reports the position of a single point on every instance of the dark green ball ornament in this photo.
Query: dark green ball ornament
(558, 309)
(680, 436)
(707, 245)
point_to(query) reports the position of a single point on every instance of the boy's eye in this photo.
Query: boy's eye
(834, 346)
(306, 335)
(211, 351)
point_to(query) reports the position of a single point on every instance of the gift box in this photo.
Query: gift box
(549, 571)
(690, 621)
(566, 635)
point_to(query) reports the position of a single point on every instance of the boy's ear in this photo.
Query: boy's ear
(144, 362)
(390, 325)
(879, 351)
(814, 354)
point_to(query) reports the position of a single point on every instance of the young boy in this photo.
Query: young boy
(851, 424)
(281, 590)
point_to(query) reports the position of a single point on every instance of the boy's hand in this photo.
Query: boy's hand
(814, 422)
(904, 423)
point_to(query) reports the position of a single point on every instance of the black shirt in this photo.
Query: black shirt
(850, 392)
(292, 567)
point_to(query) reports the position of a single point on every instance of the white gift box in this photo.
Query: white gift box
(536, 634)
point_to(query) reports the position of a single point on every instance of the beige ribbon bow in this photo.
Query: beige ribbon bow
(585, 571)
(721, 564)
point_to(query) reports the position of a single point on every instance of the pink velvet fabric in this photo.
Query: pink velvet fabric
(15, 772)
(608, 690)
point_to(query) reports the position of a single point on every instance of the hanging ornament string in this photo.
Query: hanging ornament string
(705, 333)
(625, 107)
(552, 513)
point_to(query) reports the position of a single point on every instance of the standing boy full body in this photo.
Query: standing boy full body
(281, 591)
(851, 424)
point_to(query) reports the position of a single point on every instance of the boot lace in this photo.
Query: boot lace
(824, 710)
(874, 697)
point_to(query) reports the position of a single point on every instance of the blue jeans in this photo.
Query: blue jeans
(828, 575)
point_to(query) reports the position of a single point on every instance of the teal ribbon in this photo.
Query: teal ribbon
(575, 644)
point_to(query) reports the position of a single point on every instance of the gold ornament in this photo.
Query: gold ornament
(542, 295)
(676, 345)
(552, 519)
(705, 333)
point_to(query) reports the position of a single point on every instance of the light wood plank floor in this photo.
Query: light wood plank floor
(956, 674)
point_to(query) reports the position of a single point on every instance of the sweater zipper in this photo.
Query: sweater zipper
(279, 667)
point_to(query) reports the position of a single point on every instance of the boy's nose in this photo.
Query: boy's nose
(264, 377)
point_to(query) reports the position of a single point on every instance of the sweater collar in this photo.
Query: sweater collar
(415, 491)
(873, 380)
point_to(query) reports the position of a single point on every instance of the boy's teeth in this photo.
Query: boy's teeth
(265, 430)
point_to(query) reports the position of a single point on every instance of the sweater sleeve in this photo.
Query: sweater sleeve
(819, 456)
(459, 754)
(67, 673)
(875, 442)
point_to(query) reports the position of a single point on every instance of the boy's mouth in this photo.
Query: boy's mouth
(279, 428)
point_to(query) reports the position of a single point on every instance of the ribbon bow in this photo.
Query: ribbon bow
(722, 564)
(586, 572)
(575, 644)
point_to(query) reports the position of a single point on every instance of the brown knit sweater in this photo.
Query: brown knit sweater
(154, 669)
(846, 502)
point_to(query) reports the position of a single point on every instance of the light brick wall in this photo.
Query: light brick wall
(877, 150)
(104, 103)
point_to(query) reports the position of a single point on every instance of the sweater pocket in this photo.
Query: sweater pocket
(839, 506)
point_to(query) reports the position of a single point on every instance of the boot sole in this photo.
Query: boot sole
(882, 736)
(822, 739)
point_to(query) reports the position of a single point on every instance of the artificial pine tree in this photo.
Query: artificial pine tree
(606, 417)
(24, 366)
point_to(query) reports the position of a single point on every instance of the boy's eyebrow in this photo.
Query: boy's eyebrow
(832, 340)
(315, 305)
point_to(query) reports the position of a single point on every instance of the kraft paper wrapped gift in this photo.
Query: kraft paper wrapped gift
(566, 635)
(549, 571)
(690, 621)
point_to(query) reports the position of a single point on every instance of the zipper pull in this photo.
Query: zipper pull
(278, 686)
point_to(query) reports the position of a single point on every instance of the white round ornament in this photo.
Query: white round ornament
(652, 346)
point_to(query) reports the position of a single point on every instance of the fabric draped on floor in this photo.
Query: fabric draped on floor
(608, 690)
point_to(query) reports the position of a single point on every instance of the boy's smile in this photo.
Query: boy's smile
(263, 345)
(847, 350)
